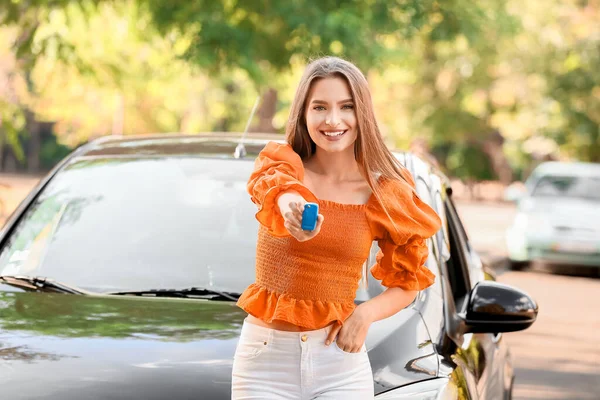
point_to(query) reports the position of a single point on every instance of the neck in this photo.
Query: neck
(336, 166)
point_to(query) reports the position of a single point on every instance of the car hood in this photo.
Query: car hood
(567, 213)
(57, 346)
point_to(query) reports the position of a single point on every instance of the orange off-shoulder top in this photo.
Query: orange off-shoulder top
(311, 284)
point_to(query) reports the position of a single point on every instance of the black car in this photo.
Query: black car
(120, 272)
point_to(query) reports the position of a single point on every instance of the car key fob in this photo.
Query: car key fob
(309, 216)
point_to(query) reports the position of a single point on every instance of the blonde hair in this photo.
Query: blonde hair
(370, 151)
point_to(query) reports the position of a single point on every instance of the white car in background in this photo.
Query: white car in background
(558, 216)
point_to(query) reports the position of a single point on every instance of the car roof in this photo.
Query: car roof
(214, 144)
(566, 168)
(219, 144)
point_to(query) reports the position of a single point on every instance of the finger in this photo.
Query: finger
(332, 334)
(317, 229)
(320, 219)
(291, 227)
(298, 234)
(298, 209)
(292, 222)
(291, 217)
(293, 206)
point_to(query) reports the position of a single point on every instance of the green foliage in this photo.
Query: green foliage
(465, 160)
(553, 64)
(12, 124)
(29, 16)
(134, 72)
(261, 37)
(577, 89)
(52, 152)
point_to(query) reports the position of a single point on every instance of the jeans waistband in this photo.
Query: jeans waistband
(253, 330)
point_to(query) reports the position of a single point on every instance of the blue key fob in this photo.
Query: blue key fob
(309, 216)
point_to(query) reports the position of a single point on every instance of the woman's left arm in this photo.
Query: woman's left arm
(400, 263)
(351, 336)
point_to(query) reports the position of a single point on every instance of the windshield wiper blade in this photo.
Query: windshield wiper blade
(40, 284)
(193, 292)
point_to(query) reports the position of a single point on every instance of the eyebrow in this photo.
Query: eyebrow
(324, 102)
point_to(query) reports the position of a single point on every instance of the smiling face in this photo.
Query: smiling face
(330, 115)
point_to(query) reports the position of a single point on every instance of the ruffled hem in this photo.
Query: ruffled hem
(269, 214)
(311, 314)
(421, 279)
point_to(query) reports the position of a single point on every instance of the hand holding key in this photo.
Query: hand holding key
(292, 206)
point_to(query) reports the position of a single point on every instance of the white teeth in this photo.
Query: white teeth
(338, 133)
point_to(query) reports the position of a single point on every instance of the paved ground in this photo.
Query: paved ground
(13, 188)
(485, 224)
(559, 356)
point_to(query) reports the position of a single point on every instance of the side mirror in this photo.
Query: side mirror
(494, 307)
(514, 192)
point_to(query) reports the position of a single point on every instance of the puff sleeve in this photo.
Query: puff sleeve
(277, 168)
(402, 238)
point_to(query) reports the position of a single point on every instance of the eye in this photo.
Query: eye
(348, 106)
(318, 108)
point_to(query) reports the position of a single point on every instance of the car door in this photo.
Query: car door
(482, 351)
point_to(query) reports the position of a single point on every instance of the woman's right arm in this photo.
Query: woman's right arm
(276, 187)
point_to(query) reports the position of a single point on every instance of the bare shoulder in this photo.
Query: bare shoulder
(363, 189)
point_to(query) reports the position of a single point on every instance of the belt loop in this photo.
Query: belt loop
(270, 336)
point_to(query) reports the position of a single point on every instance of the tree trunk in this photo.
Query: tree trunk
(265, 113)
(11, 165)
(492, 146)
(32, 126)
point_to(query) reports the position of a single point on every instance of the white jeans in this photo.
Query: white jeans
(273, 364)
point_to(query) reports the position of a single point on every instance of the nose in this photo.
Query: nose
(333, 119)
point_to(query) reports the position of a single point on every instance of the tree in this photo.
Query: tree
(442, 90)
(265, 36)
(26, 17)
(573, 81)
(489, 76)
(123, 67)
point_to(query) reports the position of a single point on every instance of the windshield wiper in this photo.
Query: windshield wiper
(189, 293)
(40, 284)
(43, 284)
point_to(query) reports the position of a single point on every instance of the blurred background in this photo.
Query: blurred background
(485, 90)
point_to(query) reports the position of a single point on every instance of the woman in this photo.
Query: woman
(304, 337)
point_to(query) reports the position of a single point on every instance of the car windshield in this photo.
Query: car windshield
(118, 224)
(584, 187)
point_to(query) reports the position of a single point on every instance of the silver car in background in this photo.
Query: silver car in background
(558, 216)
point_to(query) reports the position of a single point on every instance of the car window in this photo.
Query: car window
(584, 187)
(110, 224)
(459, 225)
(457, 264)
